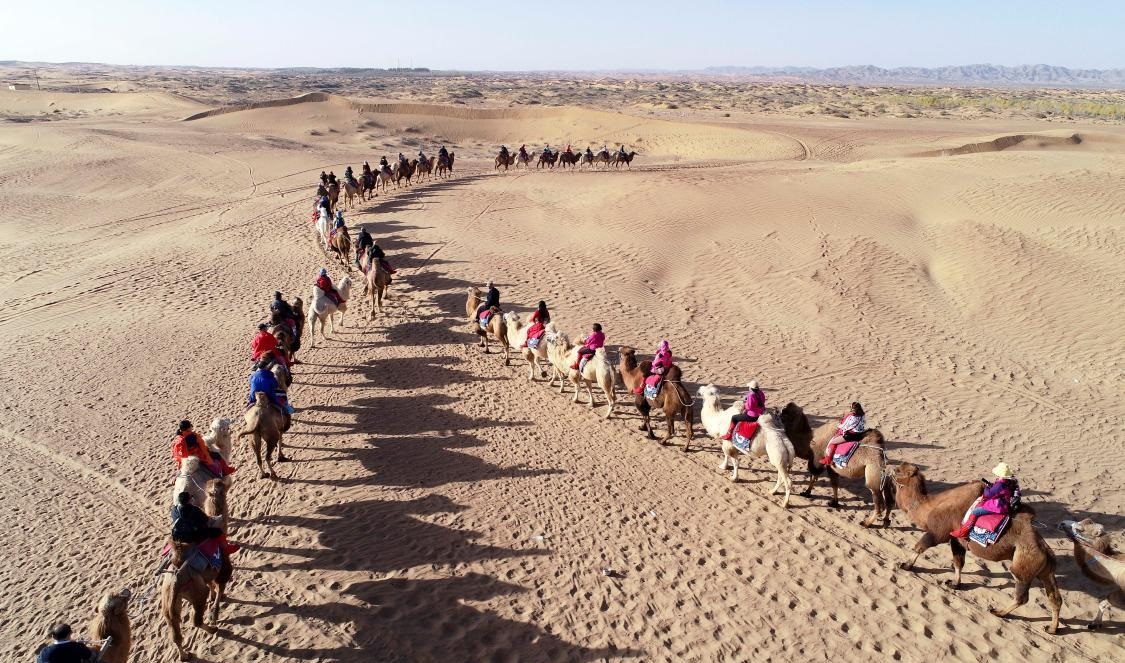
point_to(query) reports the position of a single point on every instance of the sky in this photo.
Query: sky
(532, 35)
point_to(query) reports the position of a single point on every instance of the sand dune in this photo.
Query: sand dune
(439, 503)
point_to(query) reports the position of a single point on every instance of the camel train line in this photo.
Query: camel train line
(785, 435)
(548, 158)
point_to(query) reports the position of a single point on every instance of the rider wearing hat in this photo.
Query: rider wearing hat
(1001, 497)
(753, 406)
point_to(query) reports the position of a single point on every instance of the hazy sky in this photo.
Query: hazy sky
(567, 34)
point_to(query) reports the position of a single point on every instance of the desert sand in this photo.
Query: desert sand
(441, 508)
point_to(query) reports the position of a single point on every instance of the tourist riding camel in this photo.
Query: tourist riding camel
(753, 406)
(111, 627)
(1001, 497)
(492, 298)
(363, 241)
(262, 380)
(539, 319)
(850, 429)
(660, 365)
(332, 178)
(189, 443)
(324, 282)
(375, 252)
(590, 345)
(323, 178)
(443, 156)
(192, 526)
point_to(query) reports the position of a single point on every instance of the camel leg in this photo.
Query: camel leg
(723, 460)
(217, 593)
(813, 476)
(610, 402)
(835, 480)
(1022, 588)
(199, 607)
(257, 444)
(172, 611)
(670, 427)
(734, 472)
(1054, 597)
(281, 457)
(269, 460)
(873, 481)
(924, 544)
(958, 552)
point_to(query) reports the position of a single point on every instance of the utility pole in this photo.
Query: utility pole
(36, 72)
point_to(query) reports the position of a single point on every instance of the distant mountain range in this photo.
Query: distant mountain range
(972, 74)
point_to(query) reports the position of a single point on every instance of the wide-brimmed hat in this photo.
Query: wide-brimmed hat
(1002, 470)
(753, 384)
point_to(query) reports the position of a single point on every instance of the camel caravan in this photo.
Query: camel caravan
(566, 158)
(986, 518)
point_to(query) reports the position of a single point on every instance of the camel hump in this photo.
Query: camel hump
(874, 436)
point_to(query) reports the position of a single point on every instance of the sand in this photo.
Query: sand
(440, 508)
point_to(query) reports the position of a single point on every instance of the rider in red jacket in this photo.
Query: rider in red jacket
(325, 284)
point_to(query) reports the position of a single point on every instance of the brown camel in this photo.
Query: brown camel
(547, 159)
(367, 185)
(424, 168)
(375, 286)
(1098, 561)
(111, 623)
(333, 196)
(602, 157)
(523, 159)
(180, 581)
(444, 167)
(341, 244)
(265, 423)
(869, 461)
(472, 304)
(507, 161)
(626, 159)
(495, 328)
(569, 159)
(673, 399)
(939, 514)
(406, 171)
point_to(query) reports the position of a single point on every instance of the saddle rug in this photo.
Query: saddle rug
(533, 343)
(743, 435)
(484, 318)
(844, 453)
(652, 390)
(988, 528)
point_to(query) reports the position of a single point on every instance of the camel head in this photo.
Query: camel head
(1089, 533)
(709, 392)
(115, 607)
(628, 357)
(512, 319)
(220, 426)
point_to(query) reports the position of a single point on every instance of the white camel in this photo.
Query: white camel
(517, 338)
(558, 353)
(324, 226)
(770, 440)
(219, 439)
(321, 308)
(597, 370)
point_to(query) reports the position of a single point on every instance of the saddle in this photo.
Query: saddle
(485, 317)
(743, 435)
(844, 452)
(988, 528)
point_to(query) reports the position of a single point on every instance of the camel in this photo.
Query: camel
(497, 328)
(323, 227)
(218, 440)
(501, 160)
(111, 624)
(673, 399)
(444, 168)
(351, 191)
(473, 303)
(182, 581)
(192, 478)
(367, 185)
(626, 159)
(569, 159)
(869, 461)
(517, 339)
(547, 159)
(523, 159)
(340, 242)
(405, 171)
(1098, 561)
(587, 159)
(333, 194)
(939, 514)
(771, 442)
(602, 157)
(375, 284)
(323, 308)
(285, 333)
(264, 422)
(424, 168)
(383, 176)
(559, 355)
(597, 370)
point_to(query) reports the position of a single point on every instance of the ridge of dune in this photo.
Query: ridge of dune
(1004, 142)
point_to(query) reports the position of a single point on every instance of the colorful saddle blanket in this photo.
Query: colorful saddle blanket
(533, 343)
(743, 435)
(988, 528)
(844, 453)
(485, 316)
